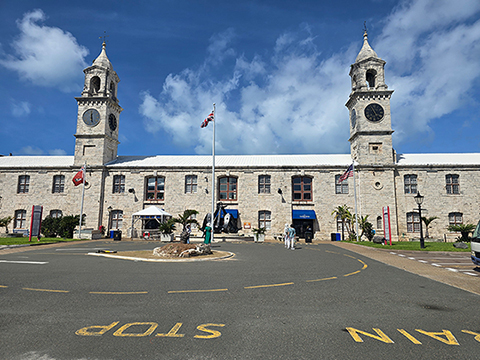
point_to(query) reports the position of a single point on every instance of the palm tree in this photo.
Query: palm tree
(185, 218)
(343, 213)
(464, 230)
(4, 223)
(366, 227)
(427, 222)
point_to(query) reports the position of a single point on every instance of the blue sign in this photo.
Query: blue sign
(304, 214)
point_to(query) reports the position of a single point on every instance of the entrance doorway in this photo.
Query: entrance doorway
(301, 226)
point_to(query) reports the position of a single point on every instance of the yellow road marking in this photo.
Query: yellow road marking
(3, 286)
(353, 273)
(265, 286)
(118, 292)
(330, 278)
(331, 252)
(47, 290)
(195, 291)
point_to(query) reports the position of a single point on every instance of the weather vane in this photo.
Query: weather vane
(104, 37)
(365, 27)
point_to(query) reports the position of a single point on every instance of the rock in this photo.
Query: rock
(182, 250)
(460, 245)
(378, 239)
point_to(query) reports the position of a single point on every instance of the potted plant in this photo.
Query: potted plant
(166, 230)
(259, 234)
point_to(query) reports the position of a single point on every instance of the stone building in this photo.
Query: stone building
(259, 191)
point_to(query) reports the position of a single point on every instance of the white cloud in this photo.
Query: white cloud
(46, 56)
(291, 98)
(57, 152)
(291, 102)
(21, 108)
(30, 150)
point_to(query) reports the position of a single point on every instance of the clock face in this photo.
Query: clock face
(91, 117)
(353, 118)
(112, 122)
(374, 112)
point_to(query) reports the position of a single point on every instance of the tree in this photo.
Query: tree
(463, 229)
(167, 227)
(185, 218)
(366, 227)
(343, 213)
(4, 222)
(427, 222)
(51, 226)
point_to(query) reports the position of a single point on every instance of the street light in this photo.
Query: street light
(419, 200)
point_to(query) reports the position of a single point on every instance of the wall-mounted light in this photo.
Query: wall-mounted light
(206, 178)
(109, 209)
(280, 191)
(131, 191)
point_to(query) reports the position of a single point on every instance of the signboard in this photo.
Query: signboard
(247, 225)
(386, 224)
(35, 221)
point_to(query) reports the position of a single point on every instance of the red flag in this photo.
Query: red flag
(79, 177)
(207, 120)
(346, 174)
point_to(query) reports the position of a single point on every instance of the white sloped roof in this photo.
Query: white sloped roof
(152, 211)
(231, 160)
(36, 161)
(438, 159)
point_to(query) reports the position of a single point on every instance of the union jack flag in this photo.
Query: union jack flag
(209, 118)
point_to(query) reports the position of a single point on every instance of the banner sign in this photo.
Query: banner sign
(36, 221)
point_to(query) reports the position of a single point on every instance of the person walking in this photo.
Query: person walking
(286, 237)
(291, 236)
(208, 234)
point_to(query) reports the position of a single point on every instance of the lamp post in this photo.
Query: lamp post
(419, 200)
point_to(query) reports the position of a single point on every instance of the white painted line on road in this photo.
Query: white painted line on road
(469, 273)
(411, 258)
(80, 249)
(436, 265)
(393, 253)
(25, 262)
(454, 270)
(423, 261)
(401, 255)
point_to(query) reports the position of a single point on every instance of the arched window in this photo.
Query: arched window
(228, 188)
(302, 188)
(56, 213)
(455, 218)
(112, 88)
(379, 222)
(370, 76)
(94, 85)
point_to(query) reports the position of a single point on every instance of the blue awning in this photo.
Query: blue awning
(304, 214)
(233, 212)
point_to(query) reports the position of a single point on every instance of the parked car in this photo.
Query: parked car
(475, 245)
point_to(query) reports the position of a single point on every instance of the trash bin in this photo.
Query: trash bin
(308, 236)
(338, 238)
(333, 236)
(117, 235)
(111, 233)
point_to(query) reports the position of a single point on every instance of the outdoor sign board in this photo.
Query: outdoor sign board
(386, 224)
(36, 221)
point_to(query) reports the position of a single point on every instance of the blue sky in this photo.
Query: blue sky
(277, 70)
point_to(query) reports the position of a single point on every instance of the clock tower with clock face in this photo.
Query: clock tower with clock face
(98, 113)
(369, 110)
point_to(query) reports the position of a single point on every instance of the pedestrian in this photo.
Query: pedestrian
(208, 234)
(291, 236)
(286, 236)
(189, 232)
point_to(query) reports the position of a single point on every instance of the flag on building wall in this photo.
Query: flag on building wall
(79, 177)
(207, 120)
(346, 174)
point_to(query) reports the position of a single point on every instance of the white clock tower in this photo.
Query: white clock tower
(98, 114)
(369, 107)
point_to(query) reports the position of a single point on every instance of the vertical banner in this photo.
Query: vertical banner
(386, 224)
(35, 222)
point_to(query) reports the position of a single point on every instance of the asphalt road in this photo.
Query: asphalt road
(318, 302)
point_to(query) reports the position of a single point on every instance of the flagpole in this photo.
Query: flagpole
(213, 175)
(83, 195)
(355, 196)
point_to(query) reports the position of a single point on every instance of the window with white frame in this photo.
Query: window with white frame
(265, 220)
(20, 219)
(117, 219)
(455, 218)
(264, 184)
(341, 187)
(410, 184)
(155, 188)
(452, 183)
(190, 184)
(58, 184)
(413, 222)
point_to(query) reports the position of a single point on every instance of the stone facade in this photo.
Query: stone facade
(118, 186)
